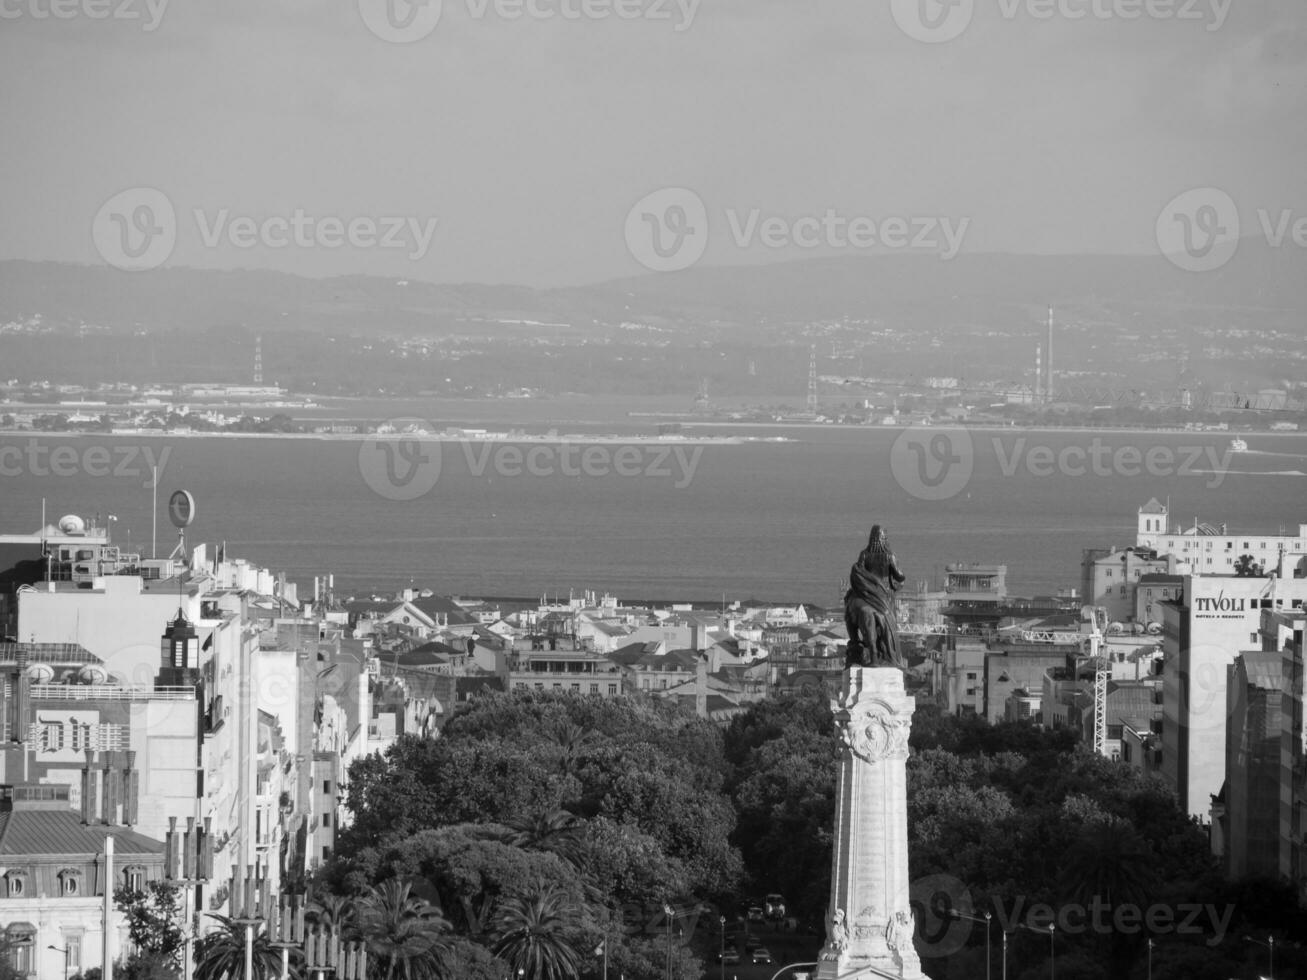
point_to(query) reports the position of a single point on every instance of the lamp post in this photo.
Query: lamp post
(988, 920)
(1150, 959)
(669, 913)
(1270, 949)
(1052, 963)
(64, 950)
(721, 954)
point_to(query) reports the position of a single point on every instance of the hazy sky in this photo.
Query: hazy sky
(529, 140)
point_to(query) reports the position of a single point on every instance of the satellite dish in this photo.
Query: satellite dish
(181, 508)
(40, 673)
(72, 524)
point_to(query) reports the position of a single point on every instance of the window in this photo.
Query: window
(971, 676)
(22, 938)
(69, 882)
(17, 882)
(612, 688)
(326, 820)
(326, 786)
(74, 946)
(594, 688)
(135, 878)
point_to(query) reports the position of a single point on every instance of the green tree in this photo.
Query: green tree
(406, 934)
(535, 933)
(221, 954)
(154, 918)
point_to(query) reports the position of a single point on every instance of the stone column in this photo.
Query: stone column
(869, 922)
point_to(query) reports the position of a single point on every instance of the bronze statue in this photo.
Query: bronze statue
(869, 614)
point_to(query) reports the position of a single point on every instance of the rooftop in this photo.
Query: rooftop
(36, 820)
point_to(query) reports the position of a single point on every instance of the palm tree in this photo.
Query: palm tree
(222, 954)
(1111, 862)
(405, 933)
(571, 742)
(333, 912)
(556, 831)
(533, 933)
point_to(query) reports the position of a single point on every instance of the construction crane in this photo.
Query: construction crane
(1097, 617)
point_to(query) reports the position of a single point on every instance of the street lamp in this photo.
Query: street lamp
(668, 912)
(988, 919)
(1150, 959)
(64, 950)
(721, 955)
(1270, 949)
(1052, 967)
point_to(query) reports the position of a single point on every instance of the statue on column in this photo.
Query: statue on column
(869, 613)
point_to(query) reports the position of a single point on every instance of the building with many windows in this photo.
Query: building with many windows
(1202, 633)
(53, 877)
(1206, 549)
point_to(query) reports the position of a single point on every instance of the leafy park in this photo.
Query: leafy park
(544, 835)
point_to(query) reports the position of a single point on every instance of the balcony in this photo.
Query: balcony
(107, 692)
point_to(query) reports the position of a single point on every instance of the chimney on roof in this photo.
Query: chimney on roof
(108, 792)
(130, 785)
(88, 788)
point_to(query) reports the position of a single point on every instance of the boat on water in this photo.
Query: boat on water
(1238, 446)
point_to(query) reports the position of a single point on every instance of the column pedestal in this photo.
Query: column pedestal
(869, 924)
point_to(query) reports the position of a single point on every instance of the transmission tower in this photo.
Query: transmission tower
(812, 381)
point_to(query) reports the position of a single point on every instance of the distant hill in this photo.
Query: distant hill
(980, 313)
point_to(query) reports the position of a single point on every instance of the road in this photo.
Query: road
(785, 947)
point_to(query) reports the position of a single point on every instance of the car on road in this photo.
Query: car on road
(775, 906)
(761, 955)
(730, 955)
(755, 913)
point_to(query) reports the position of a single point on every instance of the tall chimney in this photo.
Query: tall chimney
(130, 784)
(20, 697)
(88, 788)
(1048, 388)
(108, 792)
